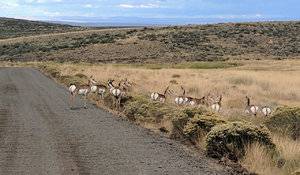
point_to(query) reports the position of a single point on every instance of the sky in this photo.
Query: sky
(168, 10)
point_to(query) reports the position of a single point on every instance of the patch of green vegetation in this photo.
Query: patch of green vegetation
(230, 139)
(140, 108)
(285, 120)
(206, 65)
(54, 45)
(10, 28)
(201, 125)
(180, 118)
(185, 65)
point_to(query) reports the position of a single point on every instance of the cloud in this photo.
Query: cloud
(8, 5)
(43, 1)
(142, 6)
(88, 6)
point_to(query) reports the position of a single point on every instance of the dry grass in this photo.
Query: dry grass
(273, 87)
(258, 160)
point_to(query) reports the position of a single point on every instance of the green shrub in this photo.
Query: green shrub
(285, 120)
(229, 140)
(140, 108)
(201, 124)
(180, 118)
(191, 112)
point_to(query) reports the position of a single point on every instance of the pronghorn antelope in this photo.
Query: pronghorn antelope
(127, 85)
(266, 111)
(181, 100)
(155, 96)
(196, 101)
(83, 90)
(98, 88)
(216, 106)
(117, 91)
(251, 109)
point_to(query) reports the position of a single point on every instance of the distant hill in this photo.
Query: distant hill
(10, 28)
(263, 40)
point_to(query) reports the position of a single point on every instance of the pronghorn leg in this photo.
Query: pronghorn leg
(114, 102)
(85, 101)
(119, 103)
(72, 96)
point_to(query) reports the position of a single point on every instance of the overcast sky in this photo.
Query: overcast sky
(219, 9)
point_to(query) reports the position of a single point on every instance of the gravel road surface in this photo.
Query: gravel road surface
(41, 135)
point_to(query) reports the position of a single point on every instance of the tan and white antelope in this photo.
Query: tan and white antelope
(127, 85)
(216, 106)
(155, 96)
(196, 101)
(181, 100)
(98, 88)
(117, 91)
(266, 111)
(250, 109)
(83, 90)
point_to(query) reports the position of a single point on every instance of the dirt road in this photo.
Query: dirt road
(41, 135)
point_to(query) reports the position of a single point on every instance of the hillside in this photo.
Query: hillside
(10, 28)
(267, 40)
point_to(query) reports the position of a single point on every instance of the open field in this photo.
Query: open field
(218, 42)
(279, 84)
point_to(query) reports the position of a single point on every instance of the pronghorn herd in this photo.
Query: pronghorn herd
(119, 91)
(209, 101)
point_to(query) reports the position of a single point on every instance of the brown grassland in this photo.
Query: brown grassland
(272, 83)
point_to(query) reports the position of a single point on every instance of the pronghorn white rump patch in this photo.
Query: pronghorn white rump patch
(116, 92)
(254, 109)
(72, 88)
(216, 107)
(186, 100)
(179, 100)
(93, 89)
(266, 111)
(192, 103)
(154, 96)
(83, 91)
